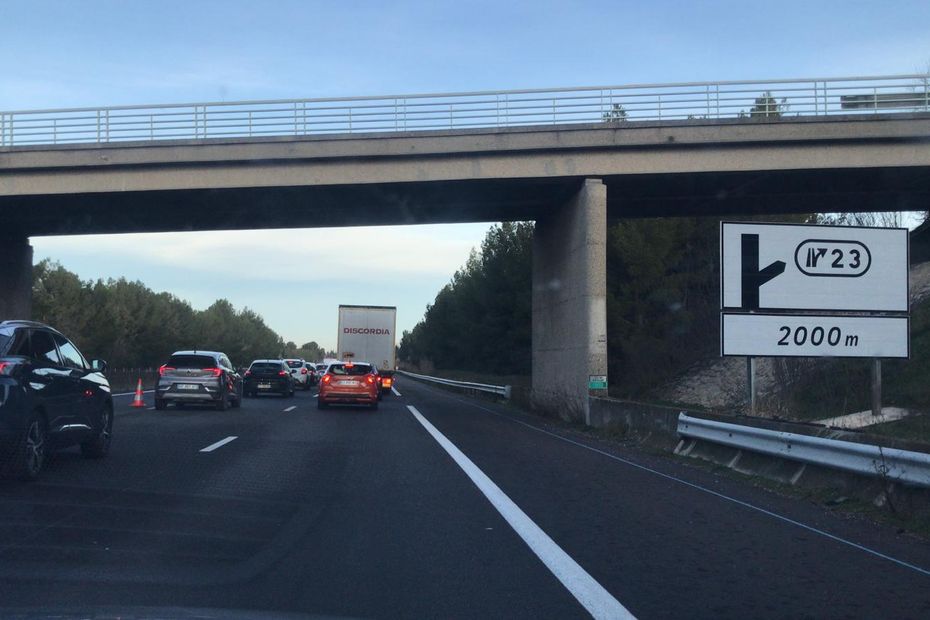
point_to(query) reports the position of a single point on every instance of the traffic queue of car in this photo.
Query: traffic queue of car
(51, 397)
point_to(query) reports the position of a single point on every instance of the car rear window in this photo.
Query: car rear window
(191, 361)
(354, 369)
(295, 363)
(265, 367)
(6, 337)
(321, 366)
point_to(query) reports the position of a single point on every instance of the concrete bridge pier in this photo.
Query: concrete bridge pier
(570, 302)
(15, 278)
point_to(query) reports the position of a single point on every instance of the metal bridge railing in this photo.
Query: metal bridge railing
(512, 108)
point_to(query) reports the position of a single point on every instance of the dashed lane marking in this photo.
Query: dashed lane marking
(291, 408)
(219, 444)
(396, 393)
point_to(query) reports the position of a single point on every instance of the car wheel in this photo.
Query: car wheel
(99, 446)
(160, 404)
(31, 449)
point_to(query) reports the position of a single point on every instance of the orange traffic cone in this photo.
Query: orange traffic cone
(137, 402)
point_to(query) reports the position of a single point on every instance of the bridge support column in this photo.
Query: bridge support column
(15, 278)
(570, 302)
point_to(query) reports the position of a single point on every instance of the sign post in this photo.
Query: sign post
(796, 290)
(876, 386)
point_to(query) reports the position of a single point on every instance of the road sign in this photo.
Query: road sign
(822, 268)
(597, 382)
(790, 335)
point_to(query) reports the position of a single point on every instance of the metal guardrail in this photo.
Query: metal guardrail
(507, 108)
(865, 459)
(500, 390)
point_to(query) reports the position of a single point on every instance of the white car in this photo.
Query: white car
(299, 372)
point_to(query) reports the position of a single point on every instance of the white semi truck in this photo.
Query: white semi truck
(366, 334)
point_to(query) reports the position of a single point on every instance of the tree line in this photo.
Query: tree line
(481, 320)
(131, 326)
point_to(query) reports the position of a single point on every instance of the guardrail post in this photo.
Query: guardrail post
(507, 390)
(926, 94)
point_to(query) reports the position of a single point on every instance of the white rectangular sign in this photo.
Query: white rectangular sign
(806, 267)
(783, 335)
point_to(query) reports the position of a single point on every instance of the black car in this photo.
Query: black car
(265, 376)
(203, 377)
(50, 397)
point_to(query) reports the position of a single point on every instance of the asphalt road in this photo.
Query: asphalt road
(435, 506)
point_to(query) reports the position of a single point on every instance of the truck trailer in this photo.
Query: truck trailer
(367, 334)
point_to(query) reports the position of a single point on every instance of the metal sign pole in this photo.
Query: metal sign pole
(876, 386)
(751, 383)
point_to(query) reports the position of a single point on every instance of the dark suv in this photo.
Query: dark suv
(198, 377)
(50, 397)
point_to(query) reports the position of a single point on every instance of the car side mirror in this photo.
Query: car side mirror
(98, 365)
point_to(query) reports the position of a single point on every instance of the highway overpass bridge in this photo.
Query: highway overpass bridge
(569, 159)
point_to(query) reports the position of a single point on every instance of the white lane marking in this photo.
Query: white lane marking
(150, 408)
(396, 393)
(219, 444)
(698, 487)
(592, 595)
(291, 408)
(132, 393)
(315, 395)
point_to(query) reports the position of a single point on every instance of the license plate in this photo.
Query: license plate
(349, 383)
(264, 386)
(188, 386)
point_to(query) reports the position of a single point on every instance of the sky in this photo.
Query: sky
(103, 53)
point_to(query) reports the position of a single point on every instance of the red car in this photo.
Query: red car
(349, 383)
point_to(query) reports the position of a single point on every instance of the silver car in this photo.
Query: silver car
(204, 377)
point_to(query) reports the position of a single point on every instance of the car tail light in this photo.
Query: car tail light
(216, 372)
(283, 373)
(248, 373)
(165, 368)
(386, 382)
(326, 379)
(303, 371)
(369, 379)
(6, 368)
